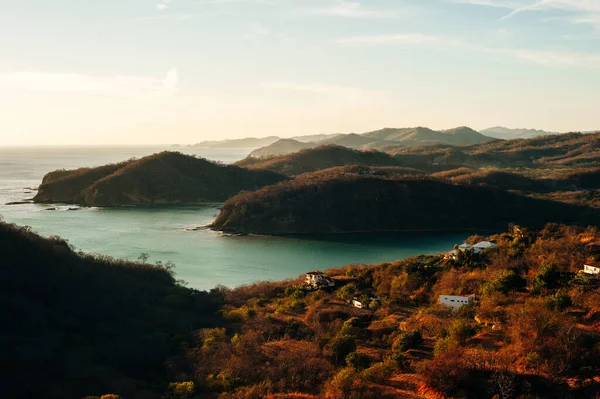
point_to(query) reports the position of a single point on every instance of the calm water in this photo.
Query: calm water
(203, 258)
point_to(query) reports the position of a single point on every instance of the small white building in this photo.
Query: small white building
(317, 279)
(484, 245)
(587, 269)
(456, 301)
(357, 303)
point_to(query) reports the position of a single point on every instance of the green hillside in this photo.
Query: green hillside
(167, 178)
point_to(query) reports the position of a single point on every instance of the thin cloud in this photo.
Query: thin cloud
(349, 95)
(178, 16)
(163, 5)
(541, 57)
(510, 4)
(585, 7)
(347, 9)
(403, 38)
(118, 86)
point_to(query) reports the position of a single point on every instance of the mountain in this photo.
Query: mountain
(550, 153)
(88, 325)
(250, 142)
(505, 133)
(314, 137)
(253, 142)
(461, 136)
(281, 147)
(314, 159)
(384, 139)
(167, 178)
(320, 204)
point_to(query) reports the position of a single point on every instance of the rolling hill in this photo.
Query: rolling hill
(384, 139)
(319, 158)
(281, 147)
(504, 133)
(167, 178)
(319, 204)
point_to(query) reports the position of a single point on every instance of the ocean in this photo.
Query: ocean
(202, 258)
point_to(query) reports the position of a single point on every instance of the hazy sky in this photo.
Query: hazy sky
(183, 71)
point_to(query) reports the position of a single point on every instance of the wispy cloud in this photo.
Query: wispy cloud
(580, 11)
(352, 96)
(347, 9)
(117, 86)
(510, 4)
(163, 5)
(402, 38)
(542, 57)
(175, 16)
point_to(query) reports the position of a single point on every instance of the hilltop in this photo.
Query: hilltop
(504, 133)
(253, 142)
(281, 147)
(314, 159)
(323, 203)
(384, 139)
(84, 324)
(250, 142)
(547, 153)
(167, 178)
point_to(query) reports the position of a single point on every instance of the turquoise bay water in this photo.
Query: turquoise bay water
(203, 258)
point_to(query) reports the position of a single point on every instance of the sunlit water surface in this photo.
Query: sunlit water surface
(203, 258)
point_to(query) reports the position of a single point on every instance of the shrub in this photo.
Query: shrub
(358, 361)
(346, 293)
(508, 281)
(445, 371)
(379, 372)
(342, 346)
(408, 340)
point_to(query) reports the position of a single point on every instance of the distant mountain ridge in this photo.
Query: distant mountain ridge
(504, 133)
(383, 140)
(254, 142)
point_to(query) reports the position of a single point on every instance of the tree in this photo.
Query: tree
(342, 346)
(180, 390)
(346, 293)
(358, 361)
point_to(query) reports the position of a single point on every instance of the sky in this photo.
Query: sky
(76, 72)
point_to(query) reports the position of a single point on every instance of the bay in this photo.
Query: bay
(203, 258)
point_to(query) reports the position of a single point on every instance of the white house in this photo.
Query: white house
(357, 303)
(456, 301)
(484, 245)
(318, 279)
(587, 269)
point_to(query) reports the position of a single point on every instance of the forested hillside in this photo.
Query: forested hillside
(326, 202)
(168, 178)
(76, 325)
